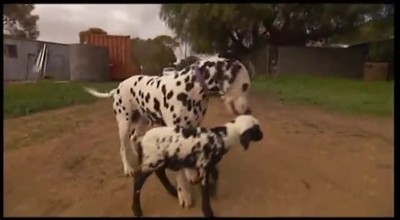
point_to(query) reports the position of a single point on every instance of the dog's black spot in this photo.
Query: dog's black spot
(158, 83)
(189, 86)
(119, 110)
(245, 86)
(147, 98)
(156, 105)
(177, 150)
(182, 97)
(123, 108)
(189, 132)
(177, 129)
(170, 94)
(117, 91)
(189, 105)
(135, 116)
(126, 113)
(178, 83)
(177, 120)
(115, 112)
(171, 108)
(187, 78)
(164, 90)
(139, 78)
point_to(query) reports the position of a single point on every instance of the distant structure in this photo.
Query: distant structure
(99, 59)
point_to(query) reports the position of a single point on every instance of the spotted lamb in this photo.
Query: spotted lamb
(194, 148)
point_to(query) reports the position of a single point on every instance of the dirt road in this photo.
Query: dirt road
(311, 163)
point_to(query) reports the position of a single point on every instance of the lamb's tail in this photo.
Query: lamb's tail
(99, 94)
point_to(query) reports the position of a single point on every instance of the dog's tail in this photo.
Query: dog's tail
(99, 94)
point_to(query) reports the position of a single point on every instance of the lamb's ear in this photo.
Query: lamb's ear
(245, 139)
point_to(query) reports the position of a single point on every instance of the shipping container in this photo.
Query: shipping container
(120, 55)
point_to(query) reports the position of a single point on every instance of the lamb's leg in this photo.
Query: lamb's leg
(213, 183)
(205, 195)
(138, 182)
(184, 194)
(166, 183)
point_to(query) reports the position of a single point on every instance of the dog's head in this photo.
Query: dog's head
(230, 79)
(249, 130)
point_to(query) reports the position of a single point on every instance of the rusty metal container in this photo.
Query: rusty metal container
(120, 55)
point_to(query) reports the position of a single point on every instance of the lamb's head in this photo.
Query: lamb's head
(248, 128)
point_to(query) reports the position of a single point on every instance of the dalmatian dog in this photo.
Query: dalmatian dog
(179, 99)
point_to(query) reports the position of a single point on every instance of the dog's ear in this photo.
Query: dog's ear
(252, 134)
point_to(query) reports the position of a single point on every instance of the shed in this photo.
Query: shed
(19, 57)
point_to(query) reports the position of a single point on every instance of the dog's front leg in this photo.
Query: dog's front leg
(184, 194)
(205, 195)
(138, 182)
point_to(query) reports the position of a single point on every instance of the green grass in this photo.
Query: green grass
(336, 94)
(25, 99)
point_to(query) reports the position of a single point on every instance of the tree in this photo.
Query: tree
(19, 21)
(93, 30)
(154, 54)
(186, 62)
(243, 28)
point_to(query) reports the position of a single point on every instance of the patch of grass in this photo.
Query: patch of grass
(25, 99)
(338, 94)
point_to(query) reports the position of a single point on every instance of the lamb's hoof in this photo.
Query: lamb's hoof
(208, 214)
(213, 189)
(138, 213)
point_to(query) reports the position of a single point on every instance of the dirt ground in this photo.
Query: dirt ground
(311, 163)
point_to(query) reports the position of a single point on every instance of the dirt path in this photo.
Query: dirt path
(311, 163)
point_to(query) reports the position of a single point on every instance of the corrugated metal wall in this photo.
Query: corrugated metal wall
(120, 55)
(20, 68)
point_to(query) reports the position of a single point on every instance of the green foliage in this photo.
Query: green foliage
(154, 54)
(381, 51)
(336, 94)
(19, 21)
(93, 30)
(25, 99)
(243, 28)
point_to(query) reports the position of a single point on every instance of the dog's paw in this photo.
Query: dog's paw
(185, 200)
(129, 171)
(192, 176)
